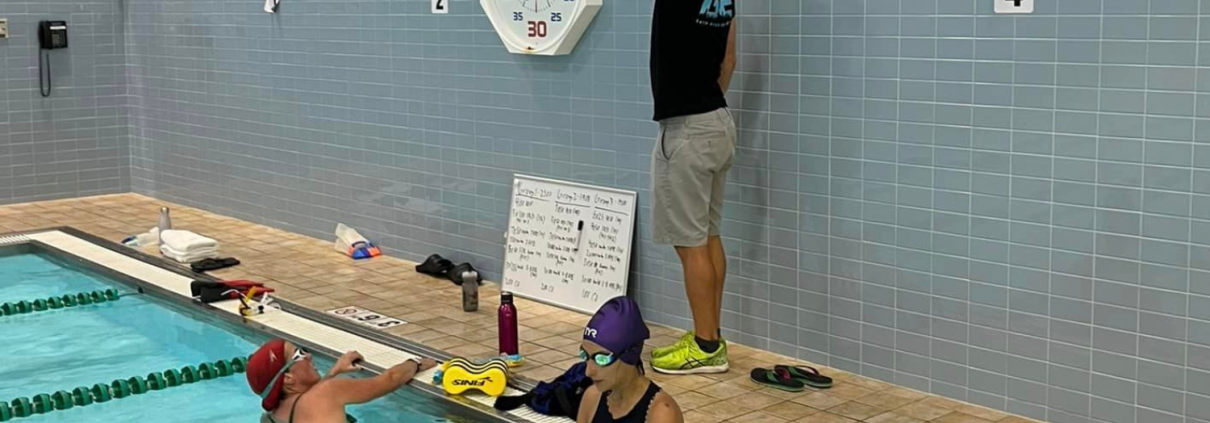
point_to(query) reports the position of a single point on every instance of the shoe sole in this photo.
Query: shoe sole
(704, 370)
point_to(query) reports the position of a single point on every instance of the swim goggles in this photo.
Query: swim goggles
(602, 359)
(300, 354)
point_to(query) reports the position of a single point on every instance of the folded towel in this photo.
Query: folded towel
(185, 241)
(190, 258)
(197, 254)
(167, 249)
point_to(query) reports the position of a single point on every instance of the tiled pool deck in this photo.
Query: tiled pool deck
(306, 270)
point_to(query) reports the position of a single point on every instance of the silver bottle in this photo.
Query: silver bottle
(165, 221)
(470, 291)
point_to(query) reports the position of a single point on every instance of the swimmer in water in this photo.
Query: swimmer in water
(291, 390)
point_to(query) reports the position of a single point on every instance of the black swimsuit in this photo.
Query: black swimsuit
(268, 416)
(638, 414)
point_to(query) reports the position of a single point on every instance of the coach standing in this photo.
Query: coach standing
(692, 59)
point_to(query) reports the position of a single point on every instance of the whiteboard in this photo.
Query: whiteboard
(568, 244)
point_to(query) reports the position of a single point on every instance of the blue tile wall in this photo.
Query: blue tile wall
(75, 142)
(1009, 210)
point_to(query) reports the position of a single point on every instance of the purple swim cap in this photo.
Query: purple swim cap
(618, 327)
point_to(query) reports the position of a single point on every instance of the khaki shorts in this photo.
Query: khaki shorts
(688, 171)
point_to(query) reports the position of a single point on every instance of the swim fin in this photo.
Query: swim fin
(435, 265)
(209, 264)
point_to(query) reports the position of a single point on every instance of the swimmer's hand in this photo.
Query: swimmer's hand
(348, 363)
(426, 363)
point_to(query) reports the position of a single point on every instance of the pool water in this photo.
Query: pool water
(63, 349)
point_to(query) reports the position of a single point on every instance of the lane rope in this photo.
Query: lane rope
(120, 388)
(63, 301)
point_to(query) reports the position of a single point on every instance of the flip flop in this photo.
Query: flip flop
(207, 265)
(435, 265)
(808, 375)
(455, 274)
(776, 379)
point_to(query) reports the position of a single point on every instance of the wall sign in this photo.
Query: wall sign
(1014, 6)
(441, 6)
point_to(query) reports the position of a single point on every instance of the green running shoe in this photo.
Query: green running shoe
(690, 359)
(680, 343)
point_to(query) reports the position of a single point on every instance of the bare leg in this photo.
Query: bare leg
(701, 290)
(719, 259)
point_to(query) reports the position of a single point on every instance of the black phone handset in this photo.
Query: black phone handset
(52, 35)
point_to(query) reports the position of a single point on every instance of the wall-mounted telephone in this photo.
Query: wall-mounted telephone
(52, 35)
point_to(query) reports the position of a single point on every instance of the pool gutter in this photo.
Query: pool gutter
(18, 238)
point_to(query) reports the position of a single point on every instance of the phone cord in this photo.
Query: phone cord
(49, 84)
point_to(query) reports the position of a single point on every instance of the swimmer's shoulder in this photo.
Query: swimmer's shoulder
(664, 410)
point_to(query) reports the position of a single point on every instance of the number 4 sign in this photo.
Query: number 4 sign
(441, 6)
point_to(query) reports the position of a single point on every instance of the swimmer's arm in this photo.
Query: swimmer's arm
(358, 391)
(665, 410)
(588, 405)
(728, 66)
(348, 363)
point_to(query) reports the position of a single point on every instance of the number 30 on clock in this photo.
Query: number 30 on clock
(547, 27)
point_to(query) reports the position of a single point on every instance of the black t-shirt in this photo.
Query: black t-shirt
(688, 44)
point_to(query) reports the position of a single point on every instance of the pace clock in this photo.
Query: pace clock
(542, 27)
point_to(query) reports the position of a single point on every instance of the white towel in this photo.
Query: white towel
(190, 257)
(186, 242)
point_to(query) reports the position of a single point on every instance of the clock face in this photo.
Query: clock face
(534, 24)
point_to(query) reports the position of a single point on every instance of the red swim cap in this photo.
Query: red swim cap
(262, 367)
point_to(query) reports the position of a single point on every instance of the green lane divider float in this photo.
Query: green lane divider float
(120, 388)
(55, 303)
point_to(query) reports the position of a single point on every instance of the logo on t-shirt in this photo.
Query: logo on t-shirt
(716, 12)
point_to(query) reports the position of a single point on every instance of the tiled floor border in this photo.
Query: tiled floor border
(296, 323)
(307, 271)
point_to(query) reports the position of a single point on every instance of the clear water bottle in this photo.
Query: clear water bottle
(470, 291)
(506, 317)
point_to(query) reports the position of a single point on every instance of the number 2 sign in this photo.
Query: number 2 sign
(441, 6)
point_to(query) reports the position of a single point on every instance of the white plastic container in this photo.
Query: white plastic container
(347, 237)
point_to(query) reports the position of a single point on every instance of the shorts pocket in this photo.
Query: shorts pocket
(671, 141)
(707, 128)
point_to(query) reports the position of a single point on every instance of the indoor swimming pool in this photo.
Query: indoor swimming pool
(60, 350)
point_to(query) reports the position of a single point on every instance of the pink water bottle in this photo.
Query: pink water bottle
(506, 316)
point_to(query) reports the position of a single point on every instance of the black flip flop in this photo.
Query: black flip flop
(808, 375)
(207, 265)
(435, 265)
(455, 274)
(776, 379)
